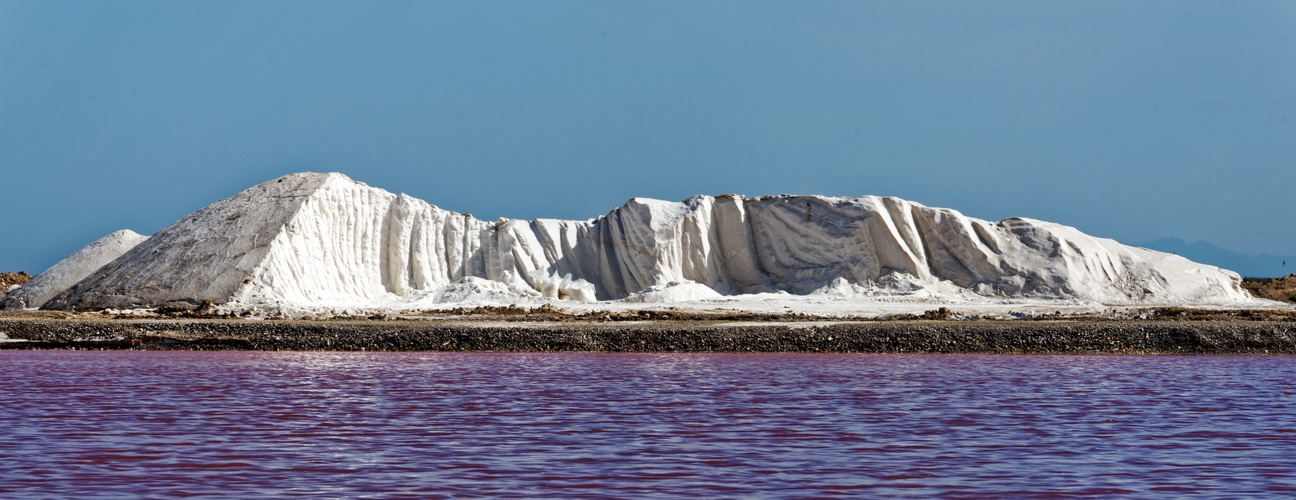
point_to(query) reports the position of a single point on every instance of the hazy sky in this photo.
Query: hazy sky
(1129, 120)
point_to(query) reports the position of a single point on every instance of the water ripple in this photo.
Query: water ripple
(590, 425)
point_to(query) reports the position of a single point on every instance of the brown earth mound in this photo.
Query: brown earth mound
(1280, 289)
(10, 279)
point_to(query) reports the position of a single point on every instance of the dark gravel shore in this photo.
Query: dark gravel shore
(1035, 337)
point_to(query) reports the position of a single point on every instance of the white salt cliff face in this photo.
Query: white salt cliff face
(71, 269)
(324, 241)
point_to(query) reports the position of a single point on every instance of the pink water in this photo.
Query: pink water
(577, 425)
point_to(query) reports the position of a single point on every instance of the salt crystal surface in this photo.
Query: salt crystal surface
(71, 269)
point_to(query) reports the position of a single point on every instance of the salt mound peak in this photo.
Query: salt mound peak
(313, 240)
(72, 269)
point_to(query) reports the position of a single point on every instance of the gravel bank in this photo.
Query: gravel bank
(1035, 337)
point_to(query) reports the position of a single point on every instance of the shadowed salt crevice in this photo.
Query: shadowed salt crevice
(323, 240)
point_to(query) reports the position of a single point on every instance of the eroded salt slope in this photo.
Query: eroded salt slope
(324, 241)
(72, 269)
(207, 256)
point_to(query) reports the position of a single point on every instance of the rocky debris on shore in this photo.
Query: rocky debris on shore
(1033, 337)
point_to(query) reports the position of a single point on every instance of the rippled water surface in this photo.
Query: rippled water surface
(437, 425)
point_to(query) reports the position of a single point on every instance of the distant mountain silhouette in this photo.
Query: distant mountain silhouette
(1249, 266)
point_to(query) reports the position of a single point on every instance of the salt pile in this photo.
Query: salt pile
(314, 241)
(72, 269)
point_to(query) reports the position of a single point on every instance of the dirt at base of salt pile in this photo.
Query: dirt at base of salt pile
(1280, 289)
(10, 279)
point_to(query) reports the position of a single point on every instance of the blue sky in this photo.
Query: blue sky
(1129, 120)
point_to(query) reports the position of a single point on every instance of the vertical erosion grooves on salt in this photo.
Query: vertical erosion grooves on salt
(323, 240)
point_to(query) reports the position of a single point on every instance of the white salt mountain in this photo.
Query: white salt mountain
(324, 241)
(71, 269)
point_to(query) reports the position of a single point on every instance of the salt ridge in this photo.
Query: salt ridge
(324, 241)
(71, 269)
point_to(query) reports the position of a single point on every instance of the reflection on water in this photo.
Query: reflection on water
(420, 425)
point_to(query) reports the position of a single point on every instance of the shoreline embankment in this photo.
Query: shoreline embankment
(910, 336)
